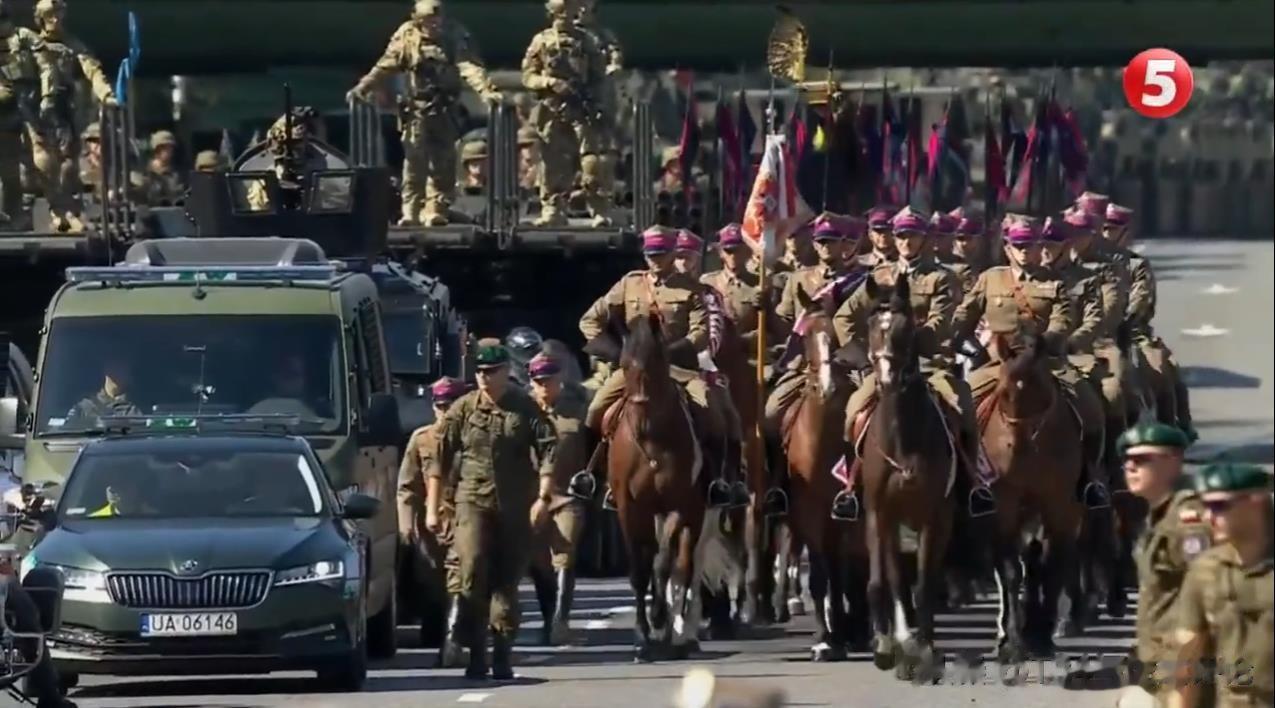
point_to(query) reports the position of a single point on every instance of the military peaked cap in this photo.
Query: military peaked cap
(491, 355)
(1153, 435)
(1232, 477)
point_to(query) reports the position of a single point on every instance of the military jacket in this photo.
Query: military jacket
(1113, 275)
(1140, 310)
(434, 64)
(872, 259)
(810, 280)
(571, 55)
(1012, 302)
(1176, 533)
(1230, 606)
(164, 188)
(420, 461)
(966, 273)
(24, 66)
(678, 299)
(69, 61)
(496, 452)
(567, 415)
(1084, 288)
(608, 44)
(932, 289)
(89, 411)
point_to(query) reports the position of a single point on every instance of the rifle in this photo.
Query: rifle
(291, 159)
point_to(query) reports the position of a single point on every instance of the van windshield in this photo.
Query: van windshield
(258, 365)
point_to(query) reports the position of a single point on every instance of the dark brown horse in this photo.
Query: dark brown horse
(1033, 442)
(908, 466)
(654, 469)
(813, 440)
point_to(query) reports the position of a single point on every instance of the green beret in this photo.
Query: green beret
(1232, 477)
(491, 356)
(1152, 435)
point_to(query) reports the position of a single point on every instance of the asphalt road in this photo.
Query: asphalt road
(1215, 311)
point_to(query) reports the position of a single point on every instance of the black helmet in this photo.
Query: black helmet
(524, 343)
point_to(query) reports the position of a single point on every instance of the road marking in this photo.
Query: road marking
(1206, 330)
(1139, 247)
(473, 697)
(597, 624)
(1219, 289)
(621, 609)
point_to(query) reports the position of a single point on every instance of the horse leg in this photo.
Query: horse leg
(859, 621)
(781, 540)
(641, 563)
(661, 574)
(821, 650)
(835, 603)
(879, 595)
(1059, 569)
(930, 557)
(685, 600)
(795, 593)
(1009, 579)
(754, 591)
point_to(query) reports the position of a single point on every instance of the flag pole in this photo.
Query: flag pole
(763, 284)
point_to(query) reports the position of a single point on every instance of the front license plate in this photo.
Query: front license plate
(191, 624)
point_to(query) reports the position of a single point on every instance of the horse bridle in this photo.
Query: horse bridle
(1037, 418)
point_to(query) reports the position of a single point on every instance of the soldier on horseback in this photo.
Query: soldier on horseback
(1117, 233)
(879, 234)
(968, 257)
(933, 290)
(678, 301)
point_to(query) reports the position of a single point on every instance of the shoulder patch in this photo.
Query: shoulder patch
(1189, 515)
(1194, 544)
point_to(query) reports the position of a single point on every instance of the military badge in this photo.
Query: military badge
(1192, 546)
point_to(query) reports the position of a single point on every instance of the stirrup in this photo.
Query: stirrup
(845, 506)
(775, 503)
(981, 502)
(739, 496)
(608, 502)
(1096, 496)
(718, 494)
(583, 486)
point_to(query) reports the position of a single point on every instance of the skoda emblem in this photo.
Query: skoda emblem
(189, 566)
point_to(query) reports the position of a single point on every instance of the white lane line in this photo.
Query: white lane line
(1219, 289)
(473, 697)
(620, 610)
(1206, 330)
(593, 625)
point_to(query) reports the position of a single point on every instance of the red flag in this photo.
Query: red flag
(774, 208)
(732, 159)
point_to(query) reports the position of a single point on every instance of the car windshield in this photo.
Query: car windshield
(409, 337)
(284, 368)
(191, 484)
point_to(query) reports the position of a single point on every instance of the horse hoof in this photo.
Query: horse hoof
(796, 607)
(884, 653)
(1117, 605)
(682, 652)
(1044, 649)
(642, 654)
(782, 616)
(1009, 653)
(821, 652)
(721, 632)
(1066, 628)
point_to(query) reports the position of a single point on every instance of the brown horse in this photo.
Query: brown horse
(813, 441)
(909, 465)
(1032, 439)
(660, 491)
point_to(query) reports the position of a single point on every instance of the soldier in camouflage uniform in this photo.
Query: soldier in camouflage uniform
(609, 44)
(473, 167)
(565, 69)
(111, 400)
(24, 84)
(560, 528)
(293, 156)
(55, 142)
(208, 161)
(1226, 613)
(933, 290)
(435, 55)
(1141, 310)
(528, 159)
(1175, 534)
(164, 185)
(498, 447)
(415, 486)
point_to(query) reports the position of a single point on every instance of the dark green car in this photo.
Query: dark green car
(208, 554)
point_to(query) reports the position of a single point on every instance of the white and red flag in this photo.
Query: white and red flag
(775, 208)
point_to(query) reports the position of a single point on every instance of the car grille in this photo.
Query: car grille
(165, 592)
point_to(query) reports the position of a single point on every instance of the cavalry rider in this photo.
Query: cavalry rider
(1141, 310)
(1090, 251)
(689, 260)
(933, 290)
(967, 258)
(1084, 287)
(679, 302)
(879, 235)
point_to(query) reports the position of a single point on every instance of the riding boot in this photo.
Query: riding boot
(775, 503)
(546, 594)
(561, 633)
(735, 473)
(981, 500)
(502, 657)
(477, 669)
(452, 654)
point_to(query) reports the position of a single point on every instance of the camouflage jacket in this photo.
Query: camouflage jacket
(677, 298)
(24, 67)
(89, 411)
(434, 66)
(1012, 302)
(571, 55)
(69, 62)
(932, 289)
(163, 188)
(496, 451)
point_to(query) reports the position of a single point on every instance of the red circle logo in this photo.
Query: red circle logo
(1158, 83)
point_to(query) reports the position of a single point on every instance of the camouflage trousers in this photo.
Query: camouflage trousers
(1078, 390)
(56, 156)
(557, 540)
(711, 406)
(953, 392)
(429, 165)
(491, 549)
(11, 154)
(565, 137)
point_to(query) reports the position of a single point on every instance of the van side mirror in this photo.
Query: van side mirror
(8, 417)
(360, 506)
(383, 427)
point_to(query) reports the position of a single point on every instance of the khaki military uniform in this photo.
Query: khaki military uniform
(55, 141)
(1113, 275)
(1084, 288)
(434, 67)
(1230, 607)
(420, 458)
(966, 273)
(1176, 533)
(1012, 303)
(558, 539)
(163, 187)
(24, 82)
(1139, 312)
(932, 289)
(89, 411)
(788, 386)
(872, 259)
(567, 123)
(680, 303)
(742, 293)
(494, 452)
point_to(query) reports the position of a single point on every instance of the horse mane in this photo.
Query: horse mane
(643, 344)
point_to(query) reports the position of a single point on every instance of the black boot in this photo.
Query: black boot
(451, 655)
(775, 503)
(736, 472)
(981, 502)
(845, 506)
(1095, 494)
(546, 594)
(477, 669)
(560, 635)
(719, 495)
(502, 668)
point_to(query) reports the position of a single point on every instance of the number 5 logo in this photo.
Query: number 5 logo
(1158, 83)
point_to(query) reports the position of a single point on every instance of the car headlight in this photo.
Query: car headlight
(80, 579)
(312, 573)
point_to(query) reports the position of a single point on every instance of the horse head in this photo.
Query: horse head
(892, 333)
(644, 355)
(1025, 371)
(814, 324)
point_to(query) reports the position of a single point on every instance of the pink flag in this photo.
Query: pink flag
(774, 207)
